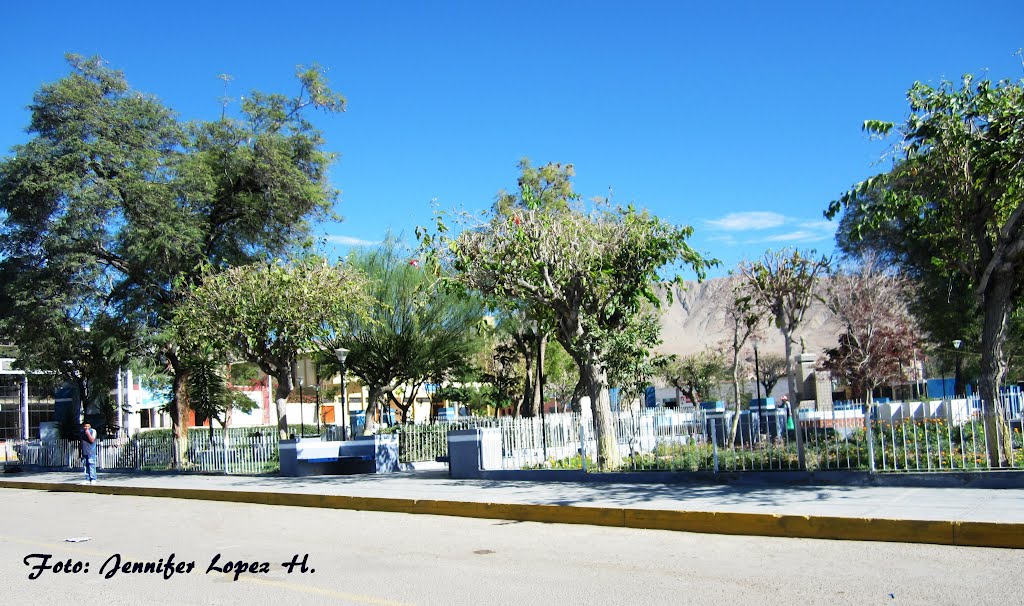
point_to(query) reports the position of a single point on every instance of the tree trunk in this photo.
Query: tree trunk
(372, 400)
(529, 392)
(997, 301)
(538, 380)
(284, 389)
(690, 394)
(403, 407)
(178, 411)
(410, 403)
(794, 404)
(596, 380)
(736, 402)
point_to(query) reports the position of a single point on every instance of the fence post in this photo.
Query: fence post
(583, 446)
(714, 441)
(871, 437)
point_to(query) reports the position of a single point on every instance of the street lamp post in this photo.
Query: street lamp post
(540, 388)
(316, 390)
(316, 396)
(342, 353)
(958, 378)
(757, 369)
(302, 418)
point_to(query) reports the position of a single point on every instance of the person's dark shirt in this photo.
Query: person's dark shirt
(88, 448)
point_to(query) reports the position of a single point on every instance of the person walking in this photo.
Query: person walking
(790, 425)
(89, 453)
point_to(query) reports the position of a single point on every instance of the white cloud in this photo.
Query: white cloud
(348, 240)
(748, 221)
(800, 235)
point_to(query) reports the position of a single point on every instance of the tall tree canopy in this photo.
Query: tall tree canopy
(416, 331)
(695, 375)
(586, 272)
(548, 187)
(955, 190)
(942, 304)
(117, 198)
(270, 314)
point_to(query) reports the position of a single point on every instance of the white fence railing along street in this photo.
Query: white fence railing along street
(244, 454)
(937, 435)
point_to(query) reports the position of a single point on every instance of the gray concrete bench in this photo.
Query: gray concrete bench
(365, 454)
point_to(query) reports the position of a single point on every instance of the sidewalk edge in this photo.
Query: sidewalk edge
(973, 534)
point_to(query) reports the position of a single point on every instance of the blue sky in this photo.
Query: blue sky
(741, 119)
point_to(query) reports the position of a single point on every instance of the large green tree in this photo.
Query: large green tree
(60, 327)
(417, 331)
(587, 272)
(98, 158)
(270, 314)
(694, 375)
(956, 184)
(547, 187)
(941, 303)
(209, 395)
(117, 193)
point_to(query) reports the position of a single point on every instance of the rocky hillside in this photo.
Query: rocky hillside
(695, 320)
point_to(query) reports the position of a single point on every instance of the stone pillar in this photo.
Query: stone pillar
(823, 389)
(805, 379)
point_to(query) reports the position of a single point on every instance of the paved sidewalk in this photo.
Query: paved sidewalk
(986, 517)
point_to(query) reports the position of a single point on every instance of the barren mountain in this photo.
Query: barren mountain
(695, 321)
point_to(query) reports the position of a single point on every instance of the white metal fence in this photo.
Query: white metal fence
(244, 453)
(939, 435)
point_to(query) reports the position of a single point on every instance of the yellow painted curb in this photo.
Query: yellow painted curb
(555, 514)
(809, 527)
(974, 534)
(989, 534)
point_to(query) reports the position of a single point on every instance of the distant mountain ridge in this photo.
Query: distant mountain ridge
(695, 320)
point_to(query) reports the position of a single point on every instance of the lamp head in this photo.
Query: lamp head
(341, 353)
(957, 343)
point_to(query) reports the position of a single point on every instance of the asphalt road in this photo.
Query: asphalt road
(355, 557)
